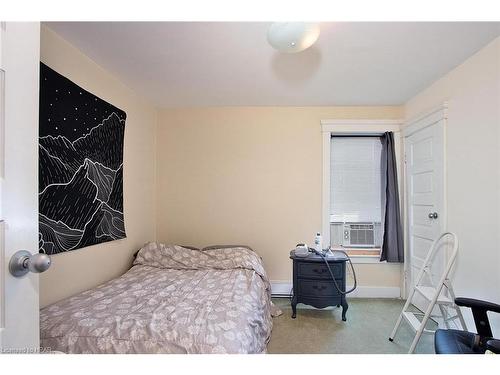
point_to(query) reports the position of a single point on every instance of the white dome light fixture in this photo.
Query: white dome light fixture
(292, 37)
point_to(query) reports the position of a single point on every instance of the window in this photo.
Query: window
(355, 195)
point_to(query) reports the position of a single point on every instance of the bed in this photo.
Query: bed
(173, 300)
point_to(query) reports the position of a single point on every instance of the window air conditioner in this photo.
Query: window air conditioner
(359, 235)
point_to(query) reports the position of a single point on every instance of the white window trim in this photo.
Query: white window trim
(354, 127)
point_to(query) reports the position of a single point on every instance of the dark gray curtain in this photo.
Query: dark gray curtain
(392, 240)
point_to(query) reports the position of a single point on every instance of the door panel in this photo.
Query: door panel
(424, 151)
(421, 218)
(420, 247)
(422, 183)
(421, 151)
(20, 44)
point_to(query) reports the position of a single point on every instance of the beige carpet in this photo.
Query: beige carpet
(366, 331)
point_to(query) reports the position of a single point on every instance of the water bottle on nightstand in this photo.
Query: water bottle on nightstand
(318, 242)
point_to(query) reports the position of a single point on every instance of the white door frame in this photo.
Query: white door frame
(2, 153)
(422, 121)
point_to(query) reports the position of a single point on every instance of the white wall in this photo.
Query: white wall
(83, 269)
(473, 169)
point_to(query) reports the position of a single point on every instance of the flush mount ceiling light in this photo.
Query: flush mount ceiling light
(292, 37)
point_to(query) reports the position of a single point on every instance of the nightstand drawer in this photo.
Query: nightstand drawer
(313, 288)
(319, 271)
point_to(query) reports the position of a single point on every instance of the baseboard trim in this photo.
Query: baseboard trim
(283, 288)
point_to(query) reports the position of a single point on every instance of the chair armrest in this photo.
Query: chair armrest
(477, 304)
(493, 345)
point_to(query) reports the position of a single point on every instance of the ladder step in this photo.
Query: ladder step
(414, 322)
(428, 293)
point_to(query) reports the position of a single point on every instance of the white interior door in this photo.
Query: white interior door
(19, 66)
(425, 182)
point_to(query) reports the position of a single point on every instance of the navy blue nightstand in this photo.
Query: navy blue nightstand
(313, 284)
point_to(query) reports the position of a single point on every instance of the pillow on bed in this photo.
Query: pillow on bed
(224, 247)
(189, 247)
(186, 247)
(160, 255)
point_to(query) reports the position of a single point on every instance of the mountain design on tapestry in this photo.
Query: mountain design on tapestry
(80, 166)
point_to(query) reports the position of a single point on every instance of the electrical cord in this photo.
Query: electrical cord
(331, 273)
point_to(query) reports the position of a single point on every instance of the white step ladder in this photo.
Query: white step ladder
(434, 295)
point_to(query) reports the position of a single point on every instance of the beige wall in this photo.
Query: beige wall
(251, 175)
(82, 269)
(473, 168)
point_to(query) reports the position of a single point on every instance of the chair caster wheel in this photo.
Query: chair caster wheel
(391, 340)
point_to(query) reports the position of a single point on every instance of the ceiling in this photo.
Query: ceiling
(185, 64)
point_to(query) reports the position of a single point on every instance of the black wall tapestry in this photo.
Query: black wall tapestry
(80, 166)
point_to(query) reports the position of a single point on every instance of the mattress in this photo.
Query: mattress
(173, 300)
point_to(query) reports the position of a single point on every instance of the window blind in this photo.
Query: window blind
(355, 179)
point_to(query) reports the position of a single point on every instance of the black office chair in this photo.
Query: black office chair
(451, 341)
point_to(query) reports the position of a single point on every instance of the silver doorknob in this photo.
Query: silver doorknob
(433, 215)
(23, 262)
